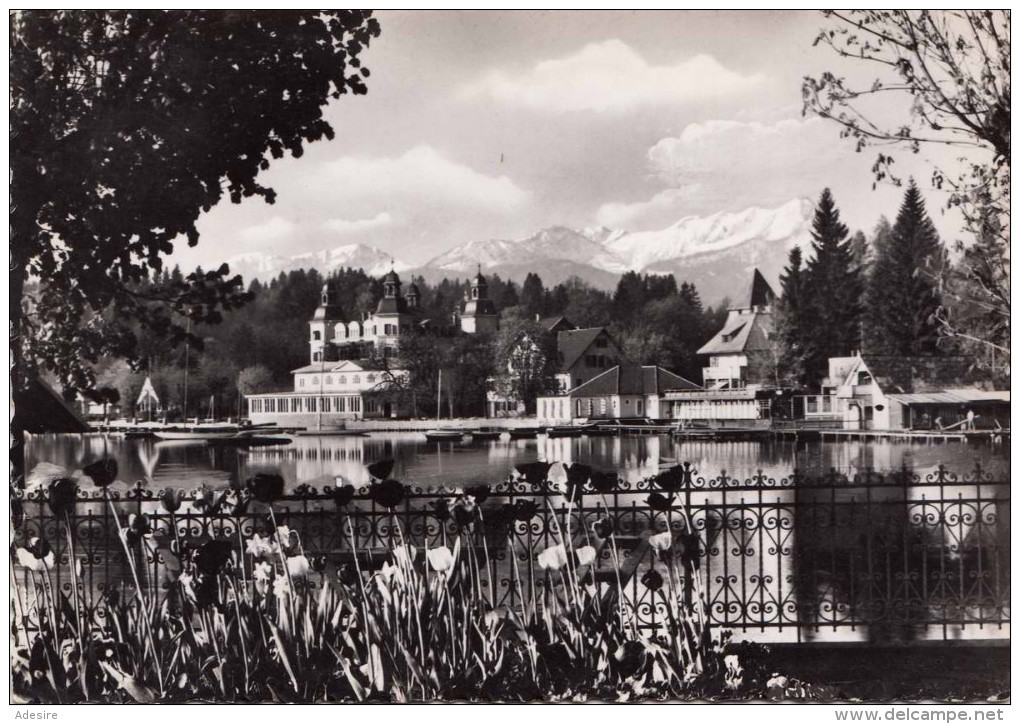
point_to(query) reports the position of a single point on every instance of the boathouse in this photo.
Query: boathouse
(624, 391)
(881, 392)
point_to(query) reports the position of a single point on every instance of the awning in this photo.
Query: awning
(952, 397)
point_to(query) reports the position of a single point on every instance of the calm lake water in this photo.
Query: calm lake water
(318, 460)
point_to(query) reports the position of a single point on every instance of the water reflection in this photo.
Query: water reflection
(781, 563)
(317, 460)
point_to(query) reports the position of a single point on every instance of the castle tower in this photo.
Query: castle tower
(480, 315)
(413, 297)
(321, 326)
(392, 316)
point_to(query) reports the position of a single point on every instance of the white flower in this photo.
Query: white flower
(558, 476)
(441, 559)
(298, 566)
(288, 538)
(552, 558)
(280, 587)
(187, 585)
(261, 575)
(36, 556)
(585, 555)
(661, 541)
(262, 571)
(258, 546)
(777, 681)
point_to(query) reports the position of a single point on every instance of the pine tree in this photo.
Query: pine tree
(533, 295)
(903, 293)
(833, 308)
(790, 319)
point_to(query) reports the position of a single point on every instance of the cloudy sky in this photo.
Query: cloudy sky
(494, 125)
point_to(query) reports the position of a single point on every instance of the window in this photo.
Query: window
(329, 379)
(639, 406)
(812, 404)
(602, 405)
(315, 380)
(357, 379)
(343, 379)
(316, 336)
(601, 342)
(301, 381)
(371, 377)
(391, 329)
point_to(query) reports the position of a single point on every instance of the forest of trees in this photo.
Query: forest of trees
(255, 347)
(881, 297)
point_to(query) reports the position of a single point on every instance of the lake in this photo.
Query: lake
(318, 460)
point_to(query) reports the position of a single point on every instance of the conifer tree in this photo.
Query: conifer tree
(903, 295)
(790, 321)
(832, 311)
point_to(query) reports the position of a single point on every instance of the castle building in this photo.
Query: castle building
(353, 363)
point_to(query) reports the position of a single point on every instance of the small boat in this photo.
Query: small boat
(138, 434)
(522, 433)
(564, 431)
(485, 434)
(444, 435)
(202, 431)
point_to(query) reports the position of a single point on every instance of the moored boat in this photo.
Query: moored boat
(443, 435)
(564, 431)
(485, 434)
(204, 431)
(523, 433)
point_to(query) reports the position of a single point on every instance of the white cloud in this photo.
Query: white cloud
(421, 177)
(617, 215)
(273, 230)
(725, 165)
(350, 226)
(611, 76)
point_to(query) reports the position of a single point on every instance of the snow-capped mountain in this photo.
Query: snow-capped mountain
(716, 252)
(556, 243)
(694, 236)
(264, 266)
(712, 251)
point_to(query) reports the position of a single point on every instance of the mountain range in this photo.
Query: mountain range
(717, 252)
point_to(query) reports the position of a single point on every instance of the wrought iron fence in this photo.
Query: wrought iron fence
(891, 557)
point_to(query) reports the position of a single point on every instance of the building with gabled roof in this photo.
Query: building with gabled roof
(886, 392)
(584, 353)
(622, 391)
(740, 354)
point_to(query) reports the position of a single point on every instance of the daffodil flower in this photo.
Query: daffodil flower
(280, 587)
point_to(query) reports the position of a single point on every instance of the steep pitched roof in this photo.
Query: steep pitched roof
(633, 380)
(556, 324)
(572, 343)
(743, 332)
(899, 375)
(39, 408)
(757, 294)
